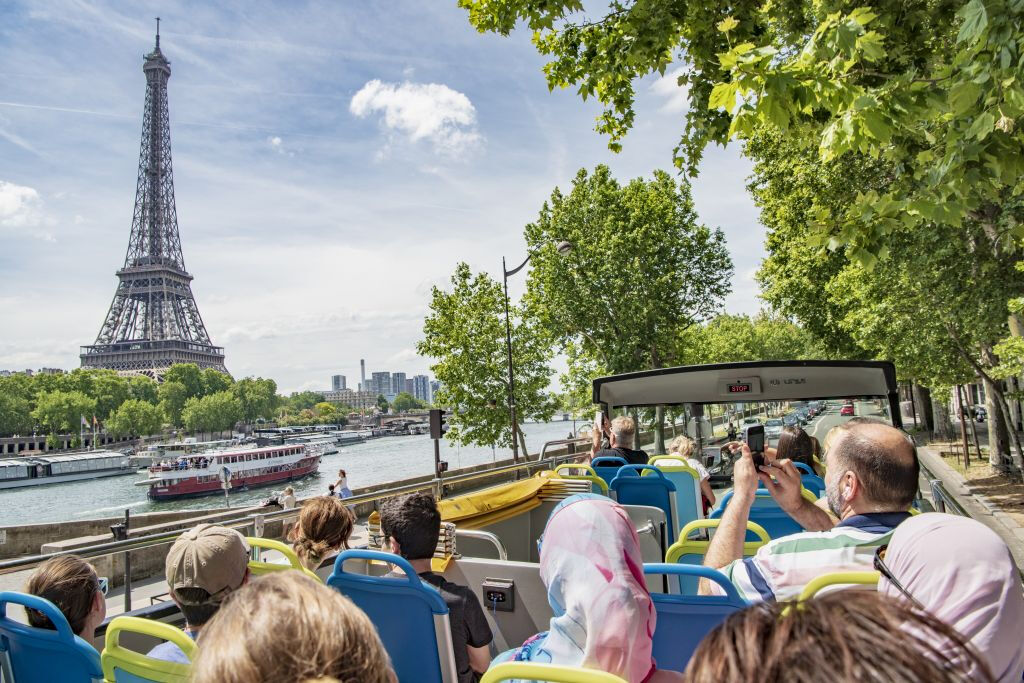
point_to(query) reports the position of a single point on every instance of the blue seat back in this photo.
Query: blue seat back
(684, 620)
(811, 481)
(654, 490)
(607, 467)
(40, 655)
(689, 503)
(408, 615)
(766, 512)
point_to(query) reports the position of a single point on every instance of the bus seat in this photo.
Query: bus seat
(811, 481)
(121, 665)
(411, 616)
(528, 671)
(42, 655)
(689, 504)
(259, 567)
(766, 512)
(598, 485)
(607, 467)
(844, 579)
(655, 491)
(684, 620)
(691, 551)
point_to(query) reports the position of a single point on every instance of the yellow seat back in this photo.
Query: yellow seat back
(591, 475)
(527, 671)
(687, 546)
(836, 579)
(119, 663)
(258, 567)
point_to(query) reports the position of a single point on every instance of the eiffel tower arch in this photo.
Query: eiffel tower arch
(153, 321)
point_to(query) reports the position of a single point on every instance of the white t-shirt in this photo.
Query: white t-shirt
(678, 460)
(288, 502)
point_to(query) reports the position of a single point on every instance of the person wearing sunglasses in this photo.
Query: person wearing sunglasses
(960, 571)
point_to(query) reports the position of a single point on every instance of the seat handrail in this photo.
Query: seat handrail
(699, 571)
(51, 611)
(524, 671)
(610, 459)
(803, 467)
(289, 554)
(639, 469)
(838, 578)
(411, 579)
(697, 524)
(484, 536)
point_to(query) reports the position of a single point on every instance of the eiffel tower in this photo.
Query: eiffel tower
(153, 321)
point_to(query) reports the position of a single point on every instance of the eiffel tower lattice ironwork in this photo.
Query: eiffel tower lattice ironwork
(153, 321)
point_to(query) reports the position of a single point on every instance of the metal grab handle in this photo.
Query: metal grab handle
(484, 536)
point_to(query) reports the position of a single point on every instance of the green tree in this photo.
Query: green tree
(734, 338)
(61, 412)
(465, 335)
(213, 413)
(258, 397)
(15, 415)
(135, 417)
(405, 402)
(173, 396)
(110, 390)
(642, 270)
(382, 403)
(324, 409)
(305, 399)
(188, 375)
(214, 381)
(143, 389)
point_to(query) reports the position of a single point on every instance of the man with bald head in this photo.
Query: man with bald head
(870, 482)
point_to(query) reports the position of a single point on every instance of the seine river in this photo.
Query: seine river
(372, 462)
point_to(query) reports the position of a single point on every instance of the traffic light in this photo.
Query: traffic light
(438, 424)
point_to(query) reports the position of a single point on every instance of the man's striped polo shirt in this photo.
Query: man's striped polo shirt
(781, 568)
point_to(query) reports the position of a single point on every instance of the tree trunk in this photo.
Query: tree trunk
(923, 398)
(659, 429)
(522, 443)
(998, 436)
(940, 415)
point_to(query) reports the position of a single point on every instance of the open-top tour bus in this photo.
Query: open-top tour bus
(489, 538)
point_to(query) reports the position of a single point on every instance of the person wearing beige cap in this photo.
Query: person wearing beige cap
(205, 565)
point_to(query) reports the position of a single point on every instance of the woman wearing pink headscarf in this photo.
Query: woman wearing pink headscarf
(603, 614)
(962, 572)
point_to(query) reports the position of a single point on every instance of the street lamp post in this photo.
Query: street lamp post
(564, 247)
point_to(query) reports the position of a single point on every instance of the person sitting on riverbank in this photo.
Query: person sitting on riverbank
(412, 524)
(963, 573)
(286, 627)
(204, 566)
(322, 531)
(871, 481)
(683, 447)
(71, 584)
(341, 486)
(836, 639)
(621, 438)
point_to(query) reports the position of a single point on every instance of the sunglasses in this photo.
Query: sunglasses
(104, 584)
(882, 569)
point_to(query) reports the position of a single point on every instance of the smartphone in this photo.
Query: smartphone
(754, 436)
(599, 421)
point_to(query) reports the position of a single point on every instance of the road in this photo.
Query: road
(819, 426)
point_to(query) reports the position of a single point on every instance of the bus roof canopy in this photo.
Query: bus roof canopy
(751, 381)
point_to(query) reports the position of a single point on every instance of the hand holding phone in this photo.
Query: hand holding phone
(754, 436)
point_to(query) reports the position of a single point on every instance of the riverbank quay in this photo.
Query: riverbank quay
(975, 504)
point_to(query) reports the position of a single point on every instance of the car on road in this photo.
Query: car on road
(791, 420)
(773, 428)
(846, 409)
(750, 421)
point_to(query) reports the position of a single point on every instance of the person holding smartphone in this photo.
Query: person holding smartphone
(621, 434)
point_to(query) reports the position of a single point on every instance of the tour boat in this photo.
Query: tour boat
(51, 469)
(203, 474)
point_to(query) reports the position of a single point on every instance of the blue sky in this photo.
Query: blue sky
(332, 162)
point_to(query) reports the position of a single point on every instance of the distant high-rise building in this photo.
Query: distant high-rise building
(380, 382)
(338, 382)
(421, 388)
(409, 388)
(362, 371)
(397, 382)
(435, 386)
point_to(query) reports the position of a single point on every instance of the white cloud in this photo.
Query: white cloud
(676, 96)
(21, 209)
(277, 144)
(421, 111)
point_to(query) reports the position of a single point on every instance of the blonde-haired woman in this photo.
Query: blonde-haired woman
(71, 584)
(295, 630)
(322, 531)
(683, 447)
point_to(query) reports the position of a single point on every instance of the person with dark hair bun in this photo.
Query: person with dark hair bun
(841, 637)
(71, 584)
(322, 531)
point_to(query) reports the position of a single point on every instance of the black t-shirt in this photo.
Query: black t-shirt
(627, 454)
(466, 619)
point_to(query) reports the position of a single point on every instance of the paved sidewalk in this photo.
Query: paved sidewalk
(978, 506)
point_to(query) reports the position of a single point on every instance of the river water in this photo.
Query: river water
(373, 462)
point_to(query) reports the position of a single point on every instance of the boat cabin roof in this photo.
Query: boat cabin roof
(750, 381)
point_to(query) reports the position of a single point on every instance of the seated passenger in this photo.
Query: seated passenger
(412, 524)
(871, 481)
(961, 572)
(683, 447)
(322, 531)
(286, 627)
(833, 639)
(71, 584)
(621, 438)
(204, 566)
(604, 619)
(796, 445)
